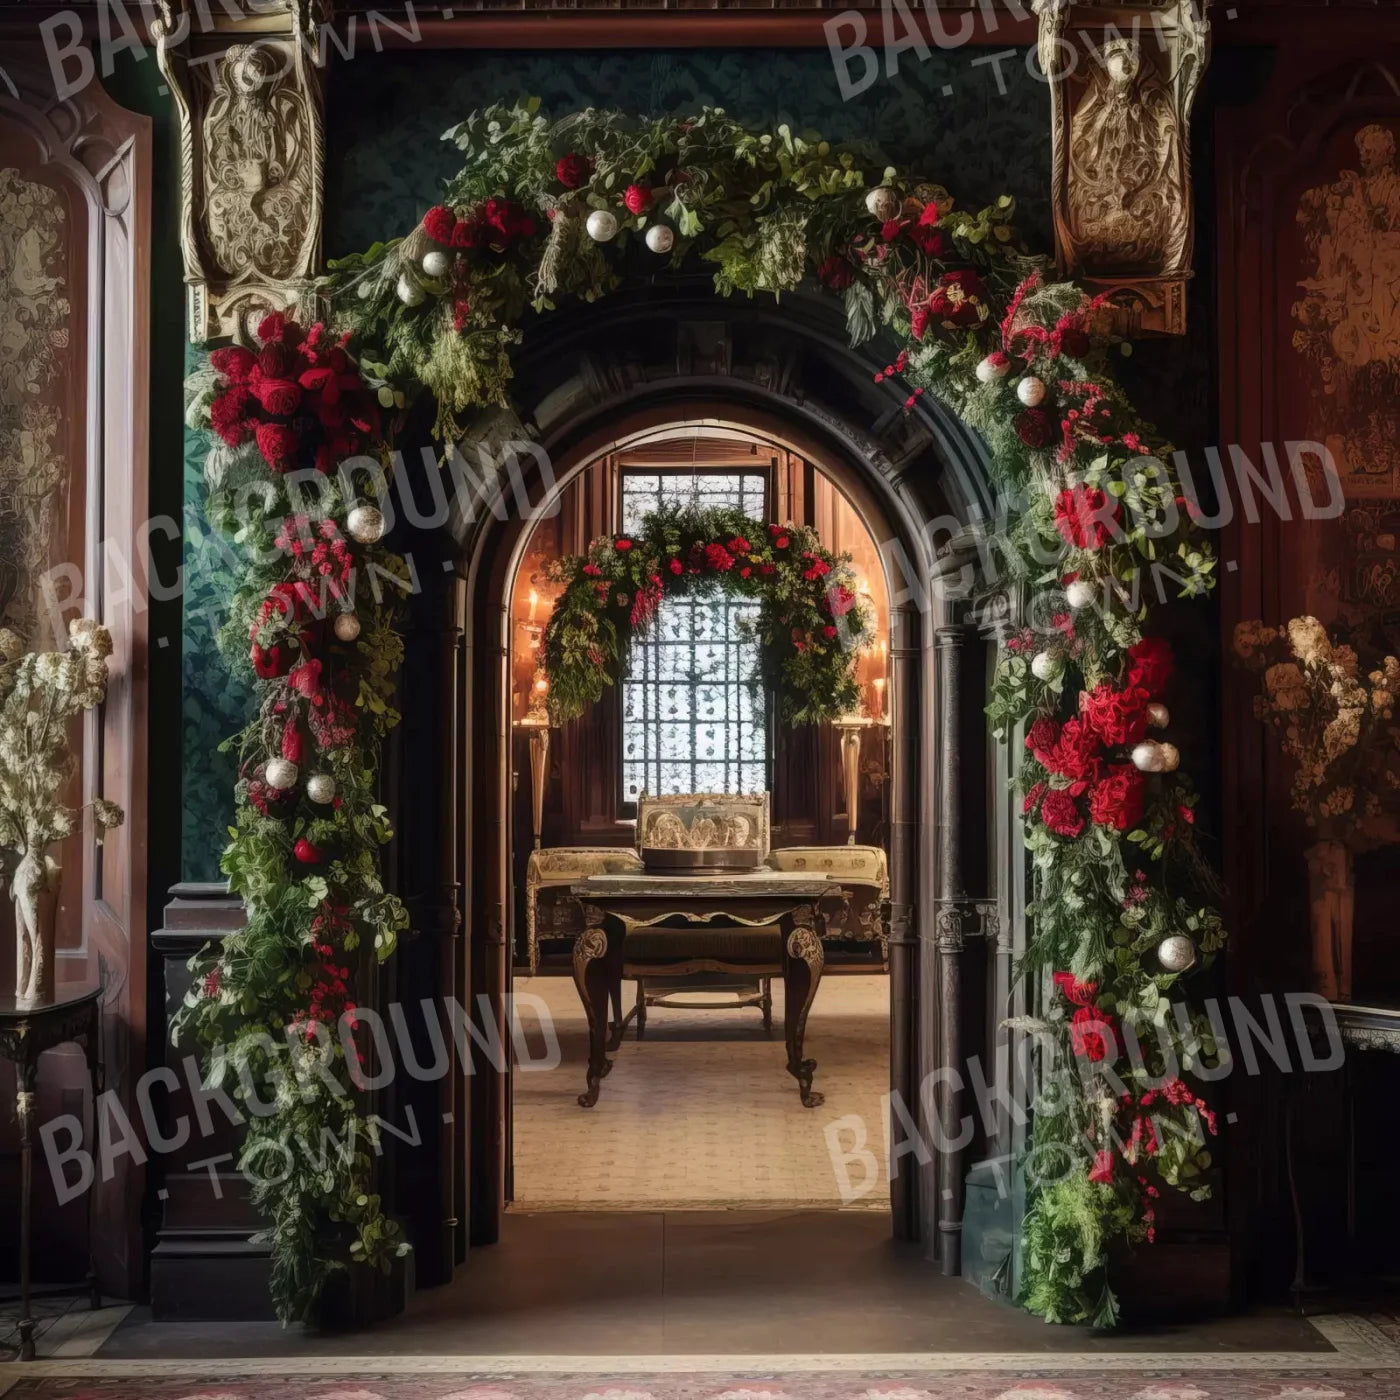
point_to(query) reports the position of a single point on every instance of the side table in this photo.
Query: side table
(71, 1016)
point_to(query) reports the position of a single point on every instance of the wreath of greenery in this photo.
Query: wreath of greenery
(811, 620)
(543, 210)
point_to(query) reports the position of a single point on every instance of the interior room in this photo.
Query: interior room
(698, 701)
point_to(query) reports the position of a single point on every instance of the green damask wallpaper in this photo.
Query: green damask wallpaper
(948, 116)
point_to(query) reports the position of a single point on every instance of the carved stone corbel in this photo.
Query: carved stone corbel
(1122, 79)
(248, 94)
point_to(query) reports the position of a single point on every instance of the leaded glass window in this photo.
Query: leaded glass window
(689, 720)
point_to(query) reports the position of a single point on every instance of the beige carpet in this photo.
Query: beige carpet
(703, 1114)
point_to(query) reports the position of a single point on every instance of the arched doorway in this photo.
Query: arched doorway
(665, 355)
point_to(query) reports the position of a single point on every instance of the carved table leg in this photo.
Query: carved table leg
(597, 970)
(28, 1074)
(803, 961)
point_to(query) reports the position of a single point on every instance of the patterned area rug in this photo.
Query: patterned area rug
(1019, 1383)
(665, 1133)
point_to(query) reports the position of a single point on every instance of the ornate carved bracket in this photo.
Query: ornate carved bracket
(248, 93)
(1123, 78)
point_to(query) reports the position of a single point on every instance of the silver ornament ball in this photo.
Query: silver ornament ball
(1046, 666)
(883, 203)
(1176, 953)
(990, 370)
(660, 238)
(1171, 757)
(281, 773)
(601, 225)
(366, 524)
(410, 293)
(436, 264)
(320, 787)
(1031, 391)
(1148, 757)
(1158, 716)
(347, 627)
(1079, 594)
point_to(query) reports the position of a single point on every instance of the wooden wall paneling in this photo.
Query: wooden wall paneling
(97, 156)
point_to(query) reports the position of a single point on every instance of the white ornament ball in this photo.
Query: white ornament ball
(347, 627)
(989, 369)
(1148, 757)
(1046, 666)
(366, 524)
(1171, 757)
(410, 293)
(320, 787)
(1031, 391)
(601, 225)
(436, 263)
(1079, 594)
(1158, 716)
(660, 238)
(883, 203)
(281, 773)
(1176, 953)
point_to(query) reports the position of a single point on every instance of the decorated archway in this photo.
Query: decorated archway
(543, 211)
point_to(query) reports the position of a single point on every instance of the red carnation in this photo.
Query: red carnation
(836, 273)
(1117, 716)
(1091, 1033)
(233, 362)
(1080, 993)
(1035, 427)
(306, 853)
(637, 198)
(677, 567)
(573, 171)
(1074, 754)
(277, 442)
(623, 544)
(1116, 800)
(226, 416)
(1150, 664)
(1060, 812)
(1084, 517)
(718, 557)
(1102, 1170)
(439, 222)
(280, 397)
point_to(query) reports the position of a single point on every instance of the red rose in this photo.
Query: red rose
(828, 632)
(1150, 664)
(1060, 812)
(573, 171)
(1091, 1033)
(924, 235)
(739, 545)
(637, 198)
(306, 853)
(439, 222)
(226, 416)
(623, 544)
(274, 361)
(1117, 716)
(957, 299)
(1074, 754)
(1035, 427)
(276, 328)
(281, 397)
(836, 273)
(233, 362)
(677, 567)
(277, 442)
(1084, 517)
(1080, 993)
(780, 542)
(1116, 799)
(1102, 1170)
(306, 678)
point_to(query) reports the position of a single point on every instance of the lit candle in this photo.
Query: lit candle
(534, 604)
(878, 708)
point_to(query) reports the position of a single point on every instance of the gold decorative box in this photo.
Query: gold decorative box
(702, 833)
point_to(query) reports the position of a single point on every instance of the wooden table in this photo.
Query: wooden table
(25, 1033)
(774, 912)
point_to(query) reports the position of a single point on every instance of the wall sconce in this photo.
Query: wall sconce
(535, 726)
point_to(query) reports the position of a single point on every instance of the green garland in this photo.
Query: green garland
(545, 210)
(811, 621)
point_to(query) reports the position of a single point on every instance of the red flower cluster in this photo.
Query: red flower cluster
(1116, 716)
(958, 299)
(718, 558)
(1080, 993)
(494, 224)
(1084, 517)
(299, 397)
(1091, 1034)
(1035, 427)
(573, 170)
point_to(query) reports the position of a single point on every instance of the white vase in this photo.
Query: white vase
(35, 892)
